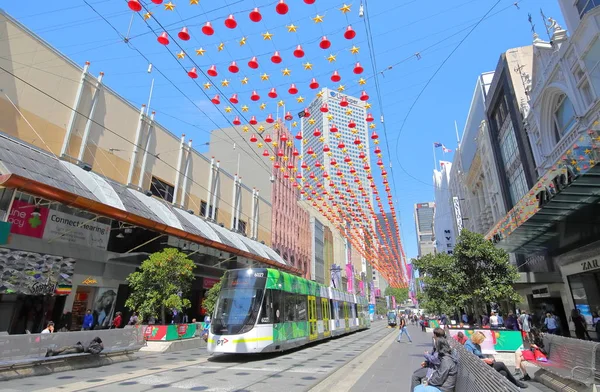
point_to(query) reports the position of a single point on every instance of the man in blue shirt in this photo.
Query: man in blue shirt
(551, 323)
(88, 320)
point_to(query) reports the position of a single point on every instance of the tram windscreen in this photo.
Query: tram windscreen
(239, 301)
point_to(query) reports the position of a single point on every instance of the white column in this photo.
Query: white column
(178, 170)
(239, 200)
(217, 184)
(146, 148)
(209, 187)
(234, 202)
(186, 173)
(71, 124)
(256, 214)
(251, 223)
(138, 132)
(88, 124)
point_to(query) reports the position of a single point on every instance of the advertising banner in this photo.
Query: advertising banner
(170, 332)
(350, 276)
(495, 340)
(208, 283)
(40, 222)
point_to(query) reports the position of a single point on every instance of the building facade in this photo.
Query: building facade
(424, 213)
(443, 220)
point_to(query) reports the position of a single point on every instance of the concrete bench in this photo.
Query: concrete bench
(474, 375)
(571, 359)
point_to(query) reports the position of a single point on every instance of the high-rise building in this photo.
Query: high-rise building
(341, 144)
(424, 224)
(443, 222)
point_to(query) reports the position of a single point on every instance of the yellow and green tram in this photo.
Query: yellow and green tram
(265, 310)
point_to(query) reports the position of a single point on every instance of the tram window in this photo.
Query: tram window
(290, 305)
(319, 311)
(266, 312)
(277, 298)
(301, 308)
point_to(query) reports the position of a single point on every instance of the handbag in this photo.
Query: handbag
(539, 355)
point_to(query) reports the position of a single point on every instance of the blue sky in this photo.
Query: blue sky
(400, 29)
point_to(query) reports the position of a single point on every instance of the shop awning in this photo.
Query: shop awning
(41, 174)
(572, 184)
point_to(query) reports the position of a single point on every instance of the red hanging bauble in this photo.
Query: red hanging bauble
(336, 76)
(310, 151)
(344, 102)
(299, 135)
(253, 63)
(317, 132)
(299, 52)
(318, 164)
(193, 73)
(230, 22)
(283, 137)
(266, 153)
(276, 58)
(325, 43)
(208, 29)
(253, 138)
(313, 84)
(288, 116)
(306, 113)
(276, 165)
(369, 117)
(280, 153)
(253, 120)
(212, 71)
(375, 136)
(233, 67)
(327, 149)
(304, 165)
(157, 1)
(163, 38)
(272, 93)
(216, 99)
(293, 89)
(324, 108)
(134, 5)
(184, 34)
(377, 150)
(270, 119)
(309, 1)
(268, 138)
(351, 124)
(341, 145)
(333, 128)
(364, 96)
(282, 8)
(236, 121)
(295, 153)
(357, 140)
(234, 99)
(347, 159)
(361, 155)
(255, 15)
(350, 33)
(255, 96)
(358, 69)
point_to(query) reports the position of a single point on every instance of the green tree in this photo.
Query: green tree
(441, 292)
(401, 294)
(211, 298)
(381, 309)
(162, 282)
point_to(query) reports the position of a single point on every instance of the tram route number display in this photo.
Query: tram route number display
(246, 280)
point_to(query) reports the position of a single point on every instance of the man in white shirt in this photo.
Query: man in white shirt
(49, 328)
(494, 320)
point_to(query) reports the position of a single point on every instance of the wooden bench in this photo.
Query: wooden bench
(474, 375)
(571, 359)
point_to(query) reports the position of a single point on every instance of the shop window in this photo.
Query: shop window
(585, 290)
(161, 189)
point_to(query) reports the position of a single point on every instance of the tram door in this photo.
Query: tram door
(346, 317)
(312, 318)
(325, 312)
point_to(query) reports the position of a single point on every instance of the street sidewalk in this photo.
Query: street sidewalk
(393, 370)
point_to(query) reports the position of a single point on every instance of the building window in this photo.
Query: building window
(585, 292)
(564, 116)
(240, 225)
(161, 189)
(583, 6)
(517, 184)
(203, 210)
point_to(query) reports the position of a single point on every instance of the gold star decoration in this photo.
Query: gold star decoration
(276, 125)
(181, 55)
(286, 72)
(245, 128)
(592, 162)
(245, 108)
(259, 144)
(274, 144)
(345, 8)
(292, 28)
(354, 131)
(207, 85)
(200, 52)
(368, 105)
(267, 36)
(311, 121)
(307, 66)
(169, 6)
(289, 143)
(264, 77)
(245, 80)
(147, 15)
(321, 139)
(331, 58)
(280, 103)
(263, 106)
(228, 109)
(221, 47)
(300, 99)
(349, 112)
(194, 2)
(318, 19)
(341, 88)
(362, 81)
(261, 128)
(243, 41)
(272, 158)
(330, 116)
(372, 125)
(588, 151)
(320, 94)
(294, 124)
(225, 83)
(354, 49)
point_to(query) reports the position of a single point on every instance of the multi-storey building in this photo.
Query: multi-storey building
(424, 213)
(443, 222)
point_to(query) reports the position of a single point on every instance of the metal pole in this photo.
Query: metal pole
(256, 214)
(252, 222)
(217, 184)
(209, 188)
(457, 137)
(239, 201)
(70, 125)
(186, 173)
(233, 202)
(178, 170)
(88, 124)
(150, 95)
(145, 156)
(134, 152)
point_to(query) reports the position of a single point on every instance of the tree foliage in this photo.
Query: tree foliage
(401, 294)
(477, 273)
(211, 298)
(162, 282)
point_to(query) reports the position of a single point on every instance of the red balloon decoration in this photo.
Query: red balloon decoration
(212, 71)
(288, 116)
(336, 77)
(265, 153)
(351, 124)
(270, 119)
(134, 5)
(364, 96)
(233, 67)
(193, 73)
(253, 120)
(369, 117)
(216, 99)
(276, 58)
(255, 15)
(283, 137)
(299, 135)
(317, 132)
(324, 108)
(293, 89)
(299, 52)
(375, 136)
(313, 84)
(282, 8)
(255, 96)
(163, 38)
(357, 140)
(230, 22)
(325, 43)
(327, 149)
(349, 33)
(272, 93)
(184, 34)
(344, 102)
(358, 69)
(253, 63)
(236, 121)
(333, 128)
(268, 139)
(234, 99)
(208, 29)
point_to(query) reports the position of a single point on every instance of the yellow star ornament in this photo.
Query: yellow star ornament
(194, 2)
(264, 77)
(207, 85)
(368, 105)
(147, 15)
(263, 106)
(292, 28)
(318, 19)
(181, 55)
(362, 81)
(245, 108)
(261, 128)
(331, 58)
(320, 94)
(311, 121)
(221, 47)
(286, 72)
(341, 88)
(372, 125)
(245, 80)
(294, 124)
(349, 112)
(243, 41)
(267, 36)
(354, 50)
(200, 52)
(345, 9)
(169, 6)
(307, 66)
(280, 103)
(228, 109)
(300, 99)
(225, 83)
(245, 128)
(330, 117)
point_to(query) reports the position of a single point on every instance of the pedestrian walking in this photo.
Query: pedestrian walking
(133, 320)
(551, 323)
(88, 320)
(116, 323)
(580, 325)
(403, 331)
(525, 325)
